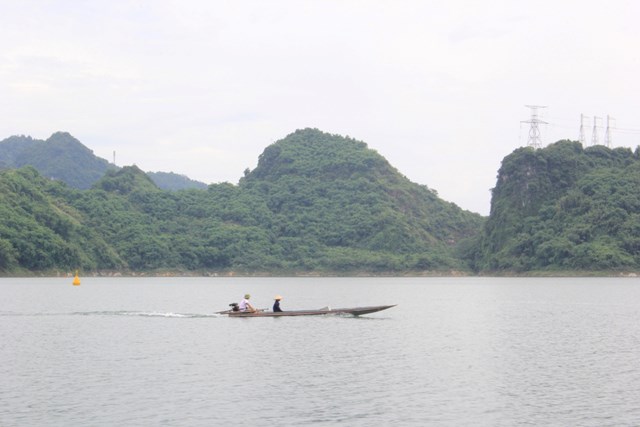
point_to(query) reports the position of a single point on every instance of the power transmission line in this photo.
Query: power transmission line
(581, 137)
(594, 132)
(627, 130)
(607, 132)
(534, 131)
(563, 123)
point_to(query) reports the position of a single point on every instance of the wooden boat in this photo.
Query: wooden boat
(355, 311)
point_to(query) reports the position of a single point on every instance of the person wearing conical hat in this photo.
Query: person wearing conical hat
(276, 304)
(245, 305)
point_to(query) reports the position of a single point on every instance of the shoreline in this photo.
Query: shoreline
(354, 274)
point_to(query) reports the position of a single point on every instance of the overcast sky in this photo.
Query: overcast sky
(200, 88)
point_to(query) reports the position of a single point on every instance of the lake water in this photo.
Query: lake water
(454, 352)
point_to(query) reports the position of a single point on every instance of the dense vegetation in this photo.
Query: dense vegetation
(64, 158)
(323, 204)
(316, 203)
(60, 157)
(173, 181)
(40, 231)
(564, 208)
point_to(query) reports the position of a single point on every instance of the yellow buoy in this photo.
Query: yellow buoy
(76, 280)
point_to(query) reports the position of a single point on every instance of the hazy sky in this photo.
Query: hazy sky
(202, 87)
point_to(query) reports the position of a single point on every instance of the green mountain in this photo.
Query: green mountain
(173, 181)
(64, 158)
(322, 204)
(337, 193)
(126, 180)
(60, 157)
(316, 203)
(12, 147)
(564, 208)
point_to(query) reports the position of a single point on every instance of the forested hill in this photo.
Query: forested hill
(316, 203)
(64, 158)
(341, 193)
(60, 157)
(564, 208)
(173, 181)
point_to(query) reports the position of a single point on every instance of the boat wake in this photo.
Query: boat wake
(117, 313)
(144, 314)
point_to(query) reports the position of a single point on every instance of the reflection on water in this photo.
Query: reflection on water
(471, 351)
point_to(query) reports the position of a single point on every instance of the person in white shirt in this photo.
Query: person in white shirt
(245, 305)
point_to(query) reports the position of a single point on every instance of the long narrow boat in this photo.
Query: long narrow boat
(355, 311)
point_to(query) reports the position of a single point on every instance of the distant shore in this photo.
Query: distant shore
(453, 273)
